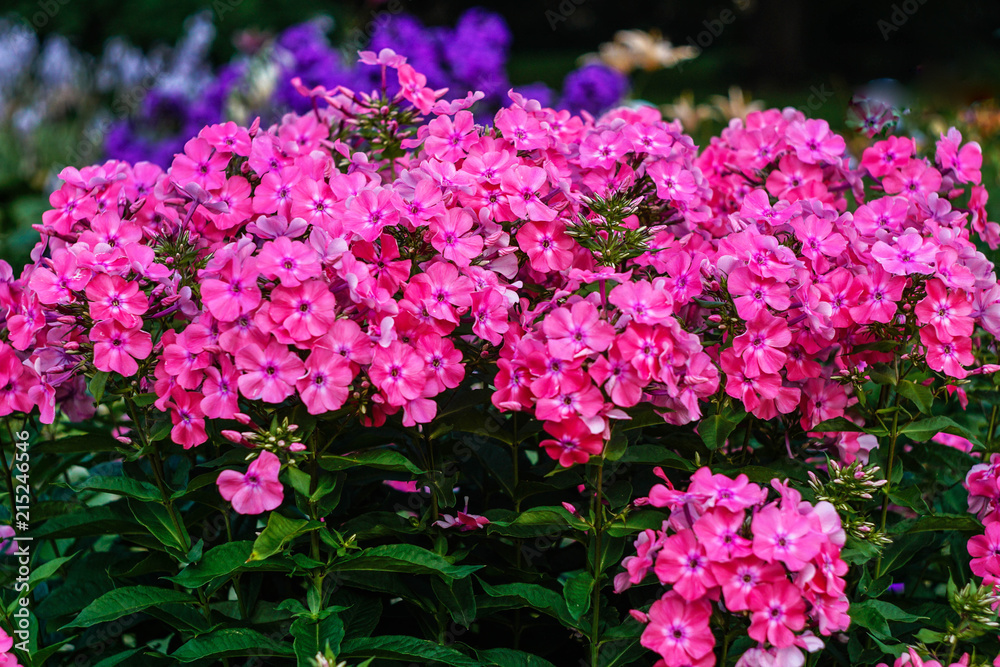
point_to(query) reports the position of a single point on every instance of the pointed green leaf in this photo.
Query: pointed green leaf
(128, 600)
(231, 643)
(312, 636)
(403, 558)
(404, 648)
(279, 532)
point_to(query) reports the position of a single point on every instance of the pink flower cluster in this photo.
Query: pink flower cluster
(370, 255)
(725, 545)
(811, 283)
(983, 485)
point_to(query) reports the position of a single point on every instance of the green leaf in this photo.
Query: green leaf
(142, 400)
(636, 522)
(77, 444)
(230, 643)
(381, 459)
(508, 657)
(279, 532)
(122, 486)
(157, 520)
(960, 522)
(221, 561)
(715, 429)
(882, 373)
(118, 658)
(925, 429)
(97, 384)
(921, 396)
(312, 636)
(577, 593)
(538, 521)
(110, 519)
(836, 425)
(46, 570)
(404, 648)
(875, 614)
(124, 601)
(536, 597)
(403, 558)
(457, 597)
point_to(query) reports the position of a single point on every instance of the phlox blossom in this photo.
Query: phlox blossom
(256, 491)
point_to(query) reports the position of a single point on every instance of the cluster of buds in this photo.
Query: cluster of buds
(280, 436)
(849, 484)
(612, 232)
(976, 606)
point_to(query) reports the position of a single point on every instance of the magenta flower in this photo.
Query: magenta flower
(399, 372)
(577, 331)
(761, 345)
(784, 535)
(777, 612)
(547, 245)
(910, 254)
(947, 355)
(234, 293)
(452, 239)
(290, 262)
(256, 491)
(948, 312)
(111, 297)
(323, 388)
(269, 373)
(188, 419)
(678, 630)
(56, 286)
(571, 442)
(815, 143)
(683, 562)
(116, 348)
(305, 311)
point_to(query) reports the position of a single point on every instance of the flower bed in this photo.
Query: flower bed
(309, 345)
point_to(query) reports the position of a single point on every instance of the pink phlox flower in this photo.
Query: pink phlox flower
(814, 143)
(323, 387)
(734, 494)
(948, 312)
(463, 520)
(786, 536)
(452, 238)
(684, 563)
(777, 612)
(754, 294)
(116, 348)
(572, 442)
(112, 297)
(760, 346)
(909, 254)
(547, 245)
(576, 331)
(269, 373)
(678, 630)
(888, 154)
(399, 371)
(966, 161)
(945, 354)
(256, 491)
(719, 531)
(741, 576)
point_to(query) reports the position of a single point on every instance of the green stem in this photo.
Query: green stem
(595, 630)
(893, 434)
(993, 425)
